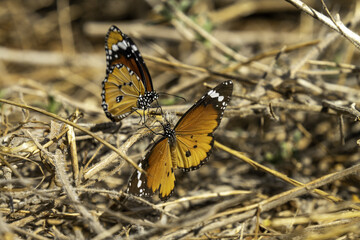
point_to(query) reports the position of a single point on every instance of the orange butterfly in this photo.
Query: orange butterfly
(127, 85)
(186, 147)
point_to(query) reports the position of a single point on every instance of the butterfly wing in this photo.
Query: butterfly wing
(120, 49)
(138, 184)
(188, 149)
(121, 89)
(194, 131)
(160, 173)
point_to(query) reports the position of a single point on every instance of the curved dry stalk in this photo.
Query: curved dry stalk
(39, 110)
(240, 214)
(334, 24)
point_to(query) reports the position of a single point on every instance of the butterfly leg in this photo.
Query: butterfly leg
(141, 116)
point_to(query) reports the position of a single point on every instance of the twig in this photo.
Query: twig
(274, 173)
(142, 30)
(342, 110)
(204, 196)
(347, 66)
(228, 51)
(129, 196)
(123, 156)
(64, 18)
(341, 129)
(58, 159)
(50, 58)
(339, 26)
(59, 162)
(314, 52)
(199, 69)
(245, 8)
(88, 173)
(73, 149)
(279, 199)
(27, 233)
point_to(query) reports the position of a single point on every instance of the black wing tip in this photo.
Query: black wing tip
(226, 86)
(228, 82)
(113, 28)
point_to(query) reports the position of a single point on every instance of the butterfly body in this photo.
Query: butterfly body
(187, 146)
(127, 85)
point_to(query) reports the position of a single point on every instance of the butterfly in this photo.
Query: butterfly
(187, 146)
(127, 85)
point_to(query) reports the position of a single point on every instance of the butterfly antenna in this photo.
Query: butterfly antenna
(173, 95)
(158, 107)
(161, 110)
(167, 121)
(152, 131)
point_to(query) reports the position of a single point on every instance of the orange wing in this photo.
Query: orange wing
(120, 49)
(160, 173)
(121, 89)
(194, 131)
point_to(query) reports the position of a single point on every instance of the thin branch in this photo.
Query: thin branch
(39, 110)
(337, 25)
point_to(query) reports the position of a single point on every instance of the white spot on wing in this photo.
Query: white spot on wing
(139, 183)
(134, 47)
(220, 98)
(138, 177)
(213, 94)
(122, 45)
(115, 48)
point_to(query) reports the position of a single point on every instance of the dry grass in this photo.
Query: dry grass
(286, 160)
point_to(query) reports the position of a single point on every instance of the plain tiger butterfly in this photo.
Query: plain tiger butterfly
(127, 85)
(186, 147)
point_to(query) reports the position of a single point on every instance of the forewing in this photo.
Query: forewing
(120, 49)
(121, 89)
(194, 131)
